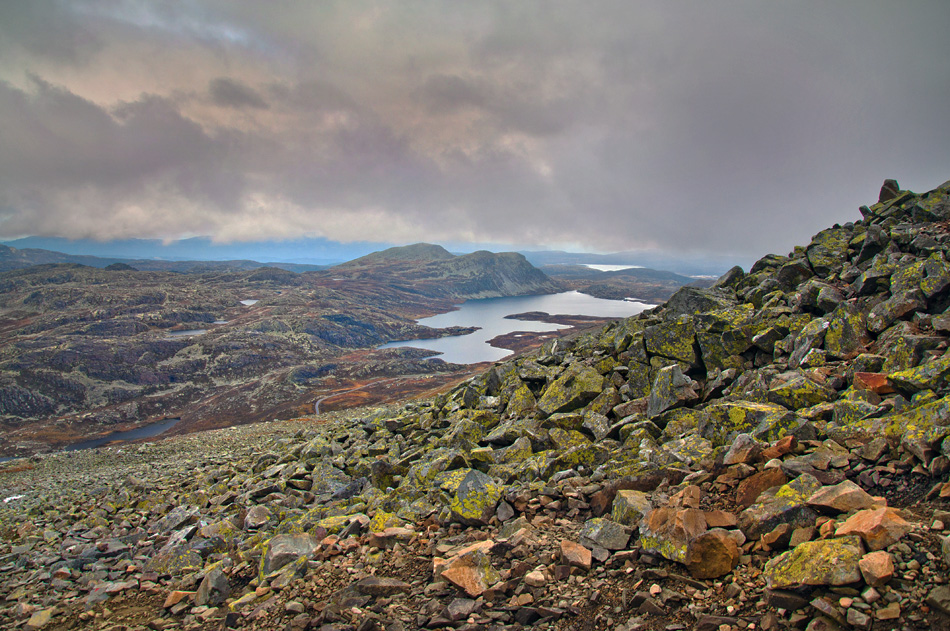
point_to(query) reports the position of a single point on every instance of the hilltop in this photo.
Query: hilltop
(417, 253)
(767, 453)
(433, 271)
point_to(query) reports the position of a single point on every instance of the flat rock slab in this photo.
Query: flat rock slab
(842, 498)
(878, 528)
(823, 562)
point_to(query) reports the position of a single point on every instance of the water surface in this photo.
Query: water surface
(133, 434)
(489, 314)
(187, 333)
(611, 268)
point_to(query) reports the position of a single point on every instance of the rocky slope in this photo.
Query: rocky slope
(769, 453)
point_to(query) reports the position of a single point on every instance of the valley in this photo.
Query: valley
(87, 351)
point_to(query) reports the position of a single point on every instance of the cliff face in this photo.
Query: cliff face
(772, 451)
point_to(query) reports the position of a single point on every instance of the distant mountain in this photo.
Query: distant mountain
(681, 263)
(416, 253)
(433, 271)
(640, 283)
(300, 251)
(14, 258)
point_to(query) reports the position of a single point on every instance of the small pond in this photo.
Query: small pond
(188, 333)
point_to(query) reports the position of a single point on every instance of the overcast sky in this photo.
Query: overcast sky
(728, 126)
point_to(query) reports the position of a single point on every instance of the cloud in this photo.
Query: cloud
(610, 126)
(227, 92)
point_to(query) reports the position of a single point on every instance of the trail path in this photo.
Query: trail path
(316, 406)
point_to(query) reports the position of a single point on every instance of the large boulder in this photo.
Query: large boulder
(671, 389)
(283, 549)
(786, 505)
(470, 495)
(823, 562)
(673, 340)
(574, 389)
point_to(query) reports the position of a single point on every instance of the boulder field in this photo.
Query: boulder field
(768, 453)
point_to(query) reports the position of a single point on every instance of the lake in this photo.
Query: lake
(133, 434)
(489, 314)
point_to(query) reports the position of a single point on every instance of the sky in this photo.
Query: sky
(681, 126)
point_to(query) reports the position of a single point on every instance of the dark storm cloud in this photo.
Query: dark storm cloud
(733, 127)
(230, 93)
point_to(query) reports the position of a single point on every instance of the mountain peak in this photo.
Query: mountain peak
(417, 252)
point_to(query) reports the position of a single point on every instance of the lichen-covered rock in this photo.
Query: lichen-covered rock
(884, 314)
(574, 389)
(282, 549)
(928, 376)
(724, 421)
(629, 507)
(670, 390)
(589, 455)
(604, 533)
(922, 428)
(847, 332)
(691, 449)
(823, 562)
(334, 524)
(787, 504)
(383, 520)
(799, 392)
(673, 340)
(668, 530)
(827, 251)
(470, 495)
(521, 402)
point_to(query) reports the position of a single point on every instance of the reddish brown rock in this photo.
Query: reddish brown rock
(842, 498)
(467, 574)
(712, 554)
(778, 537)
(668, 531)
(576, 555)
(876, 567)
(744, 450)
(801, 535)
(753, 486)
(781, 447)
(601, 501)
(874, 381)
(720, 519)
(878, 528)
(176, 597)
(687, 498)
